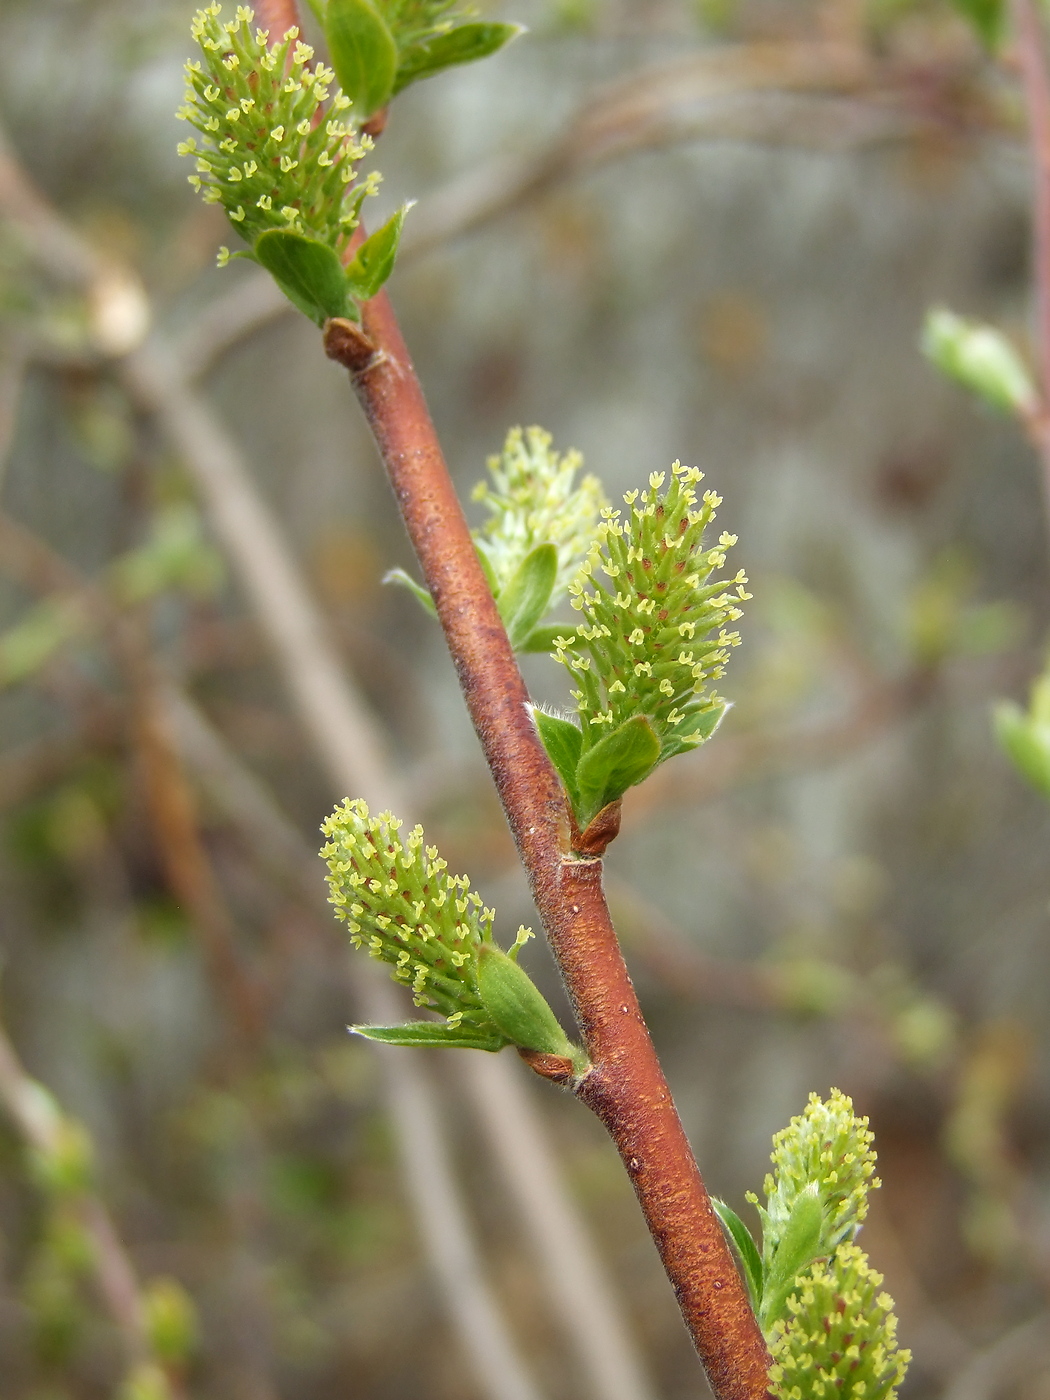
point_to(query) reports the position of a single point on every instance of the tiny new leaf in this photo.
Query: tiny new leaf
(542, 638)
(421, 594)
(433, 1034)
(617, 762)
(308, 272)
(526, 596)
(798, 1246)
(463, 44)
(363, 54)
(746, 1249)
(374, 260)
(564, 742)
(517, 1006)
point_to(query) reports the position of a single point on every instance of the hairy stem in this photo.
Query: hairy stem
(626, 1086)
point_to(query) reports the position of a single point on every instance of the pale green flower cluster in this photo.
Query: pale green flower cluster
(827, 1147)
(533, 501)
(399, 902)
(839, 1339)
(644, 645)
(271, 151)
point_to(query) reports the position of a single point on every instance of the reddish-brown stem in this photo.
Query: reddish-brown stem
(277, 16)
(1035, 80)
(626, 1086)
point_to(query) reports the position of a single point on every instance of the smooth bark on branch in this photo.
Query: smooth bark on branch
(626, 1087)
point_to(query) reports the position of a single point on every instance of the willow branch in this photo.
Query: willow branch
(626, 1087)
(347, 740)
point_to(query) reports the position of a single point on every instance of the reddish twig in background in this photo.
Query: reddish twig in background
(278, 16)
(625, 1087)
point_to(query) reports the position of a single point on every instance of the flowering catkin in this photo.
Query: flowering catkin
(644, 645)
(274, 148)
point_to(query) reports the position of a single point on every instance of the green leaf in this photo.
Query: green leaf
(695, 729)
(988, 18)
(1026, 743)
(527, 594)
(363, 54)
(617, 762)
(464, 44)
(432, 1033)
(308, 272)
(517, 1006)
(745, 1246)
(564, 742)
(798, 1246)
(374, 261)
(421, 594)
(542, 638)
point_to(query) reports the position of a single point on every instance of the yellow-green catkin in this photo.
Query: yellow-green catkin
(399, 902)
(654, 630)
(839, 1339)
(828, 1145)
(534, 499)
(276, 147)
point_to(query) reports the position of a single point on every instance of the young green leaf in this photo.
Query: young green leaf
(363, 53)
(525, 598)
(799, 1244)
(373, 262)
(464, 44)
(747, 1250)
(625, 757)
(309, 273)
(517, 1006)
(421, 594)
(436, 1034)
(563, 741)
(988, 18)
(544, 637)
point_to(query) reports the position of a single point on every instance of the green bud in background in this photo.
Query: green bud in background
(146, 1382)
(171, 1321)
(988, 18)
(1025, 735)
(979, 358)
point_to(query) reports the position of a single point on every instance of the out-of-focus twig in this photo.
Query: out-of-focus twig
(42, 1126)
